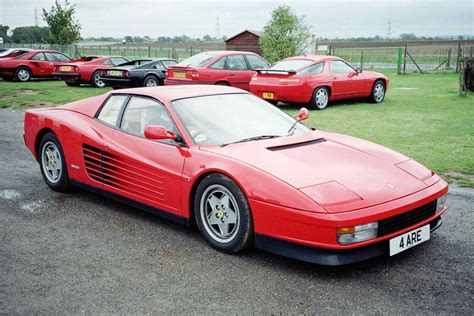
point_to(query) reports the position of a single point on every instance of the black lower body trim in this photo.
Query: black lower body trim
(132, 203)
(327, 257)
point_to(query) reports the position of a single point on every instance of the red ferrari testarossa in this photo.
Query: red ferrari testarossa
(246, 172)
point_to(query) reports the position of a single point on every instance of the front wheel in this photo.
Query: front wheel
(23, 74)
(95, 80)
(223, 214)
(320, 98)
(53, 164)
(378, 92)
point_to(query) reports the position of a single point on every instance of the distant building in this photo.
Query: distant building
(248, 41)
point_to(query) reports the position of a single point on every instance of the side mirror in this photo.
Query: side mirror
(158, 132)
(302, 115)
(358, 70)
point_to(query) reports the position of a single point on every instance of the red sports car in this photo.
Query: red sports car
(33, 64)
(246, 172)
(228, 68)
(316, 80)
(86, 70)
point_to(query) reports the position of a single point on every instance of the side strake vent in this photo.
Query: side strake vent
(114, 171)
(283, 147)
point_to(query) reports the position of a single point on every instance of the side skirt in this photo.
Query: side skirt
(132, 203)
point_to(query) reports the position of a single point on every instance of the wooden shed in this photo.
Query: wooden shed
(248, 41)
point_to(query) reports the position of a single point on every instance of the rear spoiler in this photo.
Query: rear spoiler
(275, 71)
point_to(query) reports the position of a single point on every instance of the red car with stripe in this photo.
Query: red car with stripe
(229, 68)
(246, 172)
(317, 80)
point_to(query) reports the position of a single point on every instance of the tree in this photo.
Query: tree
(284, 35)
(64, 29)
(3, 33)
(408, 37)
(30, 34)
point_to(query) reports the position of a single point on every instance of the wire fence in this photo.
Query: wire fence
(406, 59)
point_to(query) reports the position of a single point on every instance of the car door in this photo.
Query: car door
(238, 73)
(39, 65)
(346, 82)
(148, 171)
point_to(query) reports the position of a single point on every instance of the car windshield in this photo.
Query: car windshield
(227, 118)
(292, 64)
(198, 60)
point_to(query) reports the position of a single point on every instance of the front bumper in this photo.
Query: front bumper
(328, 257)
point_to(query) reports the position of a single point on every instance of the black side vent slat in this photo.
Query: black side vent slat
(404, 220)
(295, 145)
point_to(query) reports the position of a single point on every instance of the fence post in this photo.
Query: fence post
(149, 51)
(405, 60)
(458, 58)
(448, 63)
(361, 59)
(399, 61)
(110, 49)
(191, 50)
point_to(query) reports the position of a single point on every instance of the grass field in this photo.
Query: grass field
(422, 117)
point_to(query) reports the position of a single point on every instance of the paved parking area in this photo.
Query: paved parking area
(81, 253)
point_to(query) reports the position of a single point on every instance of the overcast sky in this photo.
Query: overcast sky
(336, 18)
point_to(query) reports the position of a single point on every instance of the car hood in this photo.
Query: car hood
(340, 173)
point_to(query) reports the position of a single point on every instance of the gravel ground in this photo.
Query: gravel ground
(81, 253)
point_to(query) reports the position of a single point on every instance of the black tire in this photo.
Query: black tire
(23, 74)
(61, 184)
(73, 83)
(274, 102)
(377, 95)
(242, 232)
(95, 80)
(318, 101)
(222, 83)
(151, 81)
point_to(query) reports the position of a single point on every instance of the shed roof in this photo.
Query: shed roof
(256, 33)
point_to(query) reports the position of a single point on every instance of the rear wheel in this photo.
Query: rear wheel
(378, 92)
(23, 74)
(320, 98)
(223, 214)
(95, 80)
(150, 81)
(52, 163)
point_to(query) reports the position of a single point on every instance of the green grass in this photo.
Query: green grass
(431, 123)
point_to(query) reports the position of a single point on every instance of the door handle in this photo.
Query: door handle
(231, 75)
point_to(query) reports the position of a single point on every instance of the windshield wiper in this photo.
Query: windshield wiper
(248, 139)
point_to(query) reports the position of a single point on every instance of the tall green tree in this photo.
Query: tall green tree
(3, 33)
(285, 35)
(64, 29)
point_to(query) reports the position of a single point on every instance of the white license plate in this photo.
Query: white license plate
(410, 239)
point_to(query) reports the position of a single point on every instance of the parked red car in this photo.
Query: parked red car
(33, 64)
(229, 68)
(317, 80)
(245, 171)
(86, 70)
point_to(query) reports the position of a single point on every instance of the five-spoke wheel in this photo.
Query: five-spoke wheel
(53, 163)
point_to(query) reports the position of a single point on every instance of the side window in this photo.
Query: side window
(118, 60)
(109, 113)
(160, 66)
(313, 70)
(340, 67)
(57, 57)
(107, 62)
(141, 112)
(236, 62)
(220, 64)
(39, 56)
(256, 62)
